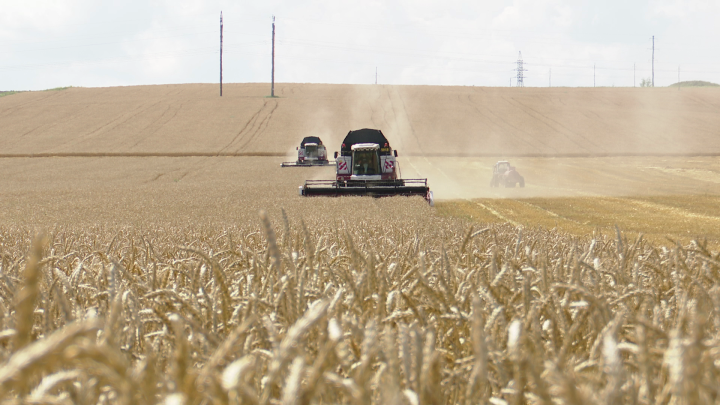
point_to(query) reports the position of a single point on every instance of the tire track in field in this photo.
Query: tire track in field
(260, 128)
(374, 112)
(494, 212)
(110, 125)
(549, 212)
(54, 124)
(417, 139)
(157, 127)
(386, 104)
(251, 128)
(395, 127)
(119, 120)
(553, 125)
(250, 122)
(11, 110)
(675, 211)
(505, 123)
(404, 116)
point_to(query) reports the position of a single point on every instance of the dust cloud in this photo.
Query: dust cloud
(468, 178)
(565, 142)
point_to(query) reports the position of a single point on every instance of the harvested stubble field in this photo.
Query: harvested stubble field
(157, 281)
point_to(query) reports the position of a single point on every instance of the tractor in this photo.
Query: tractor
(506, 175)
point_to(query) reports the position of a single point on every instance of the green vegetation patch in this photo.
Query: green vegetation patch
(11, 92)
(694, 83)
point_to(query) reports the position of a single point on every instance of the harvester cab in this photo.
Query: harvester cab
(311, 152)
(366, 166)
(366, 162)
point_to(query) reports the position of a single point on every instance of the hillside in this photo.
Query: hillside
(419, 120)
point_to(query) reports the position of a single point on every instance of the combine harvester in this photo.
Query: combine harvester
(311, 152)
(367, 167)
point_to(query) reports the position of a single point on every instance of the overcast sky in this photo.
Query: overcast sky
(94, 43)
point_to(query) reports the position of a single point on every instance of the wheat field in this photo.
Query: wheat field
(288, 312)
(156, 253)
(419, 120)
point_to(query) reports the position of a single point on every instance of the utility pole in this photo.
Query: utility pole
(272, 83)
(653, 61)
(221, 34)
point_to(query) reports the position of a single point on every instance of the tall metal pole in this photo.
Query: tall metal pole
(519, 82)
(272, 85)
(653, 61)
(221, 35)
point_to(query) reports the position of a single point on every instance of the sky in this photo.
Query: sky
(574, 43)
